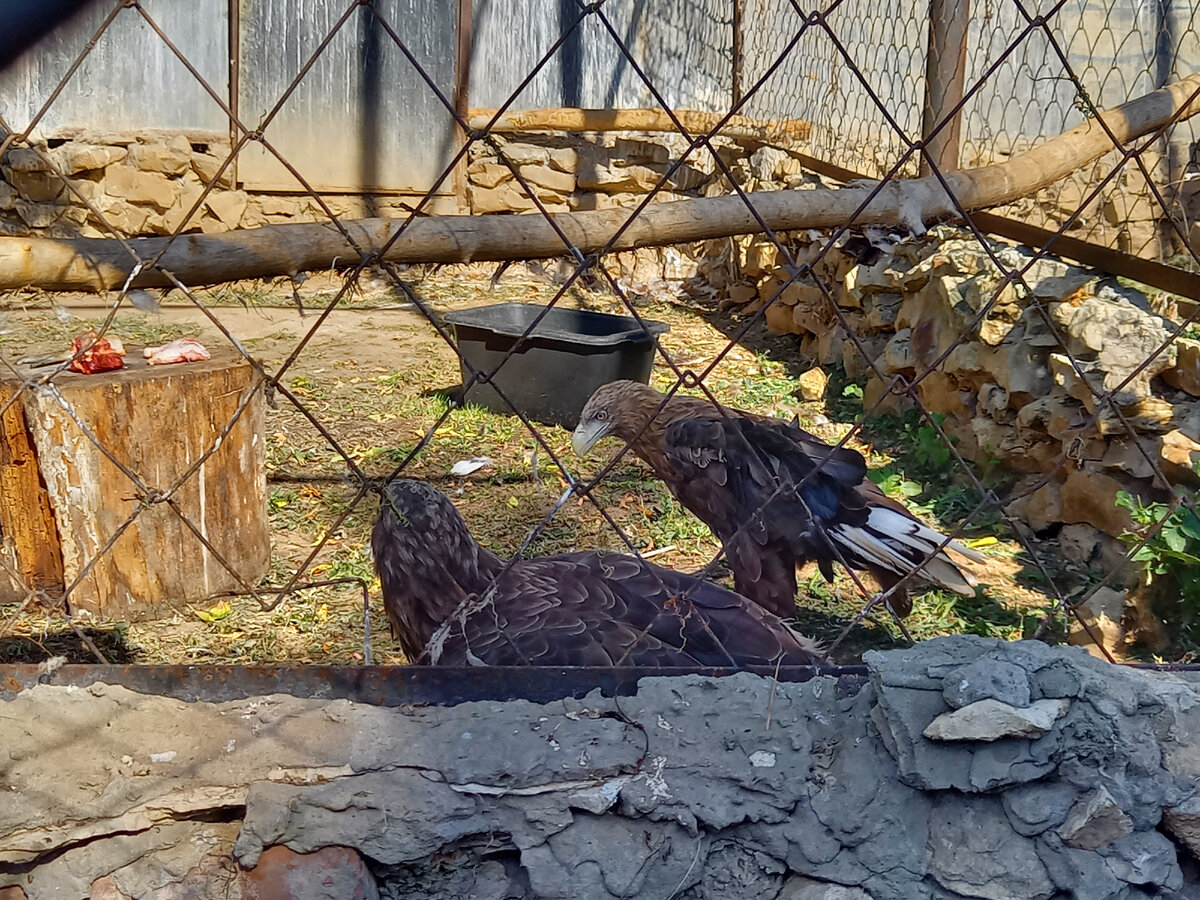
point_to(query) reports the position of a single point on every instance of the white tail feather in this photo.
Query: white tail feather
(891, 539)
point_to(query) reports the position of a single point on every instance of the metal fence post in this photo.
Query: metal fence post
(462, 82)
(945, 72)
(736, 53)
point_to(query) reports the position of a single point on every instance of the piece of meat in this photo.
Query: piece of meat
(103, 354)
(181, 350)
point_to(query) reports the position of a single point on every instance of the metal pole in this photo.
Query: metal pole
(945, 72)
(737, 52)
(235, 72)
(462, 82)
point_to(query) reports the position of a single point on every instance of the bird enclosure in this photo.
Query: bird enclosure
(914, 291)
(955, 240)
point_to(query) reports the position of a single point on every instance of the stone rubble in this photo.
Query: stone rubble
(693, 787)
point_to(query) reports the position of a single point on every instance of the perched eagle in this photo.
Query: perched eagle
(451, 602)
(774, 494)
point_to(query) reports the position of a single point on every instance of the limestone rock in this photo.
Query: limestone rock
(75, 157)
(38, 187)
(812, 384)
(173, 157)
(987, 678)
(1185, 374)
(228, 206)
(1089, 498)
(489, 174)
(565, 159)
(137, 186)
(991, 720)
(8, 196)
(1120, 337)
(500, 199)
(1179, 457)
(551, 179)
(1094, 821)
(522, 154)
(206, 166)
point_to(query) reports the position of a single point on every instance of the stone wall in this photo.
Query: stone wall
(146, 184)
(962, 768)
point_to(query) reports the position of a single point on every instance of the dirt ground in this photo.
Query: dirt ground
(378, 376)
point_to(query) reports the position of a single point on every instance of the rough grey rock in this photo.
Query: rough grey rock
(799, 887)
(1034, 808)
(991, 720)
(974, 851)
(987, 678)
(1094, 821)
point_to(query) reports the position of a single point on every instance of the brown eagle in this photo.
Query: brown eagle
(453, 603)
(774, 494)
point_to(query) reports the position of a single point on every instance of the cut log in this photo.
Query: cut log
(157, 422)
(30, 536)
(569, 118)
(97, 264)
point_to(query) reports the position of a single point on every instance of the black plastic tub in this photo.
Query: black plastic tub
(551, 374)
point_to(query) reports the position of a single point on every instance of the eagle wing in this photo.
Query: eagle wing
(607, 609)
(770, 491)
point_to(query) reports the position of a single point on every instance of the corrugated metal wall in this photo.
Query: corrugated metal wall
(363, 118)
(131, 80)
(684, 47)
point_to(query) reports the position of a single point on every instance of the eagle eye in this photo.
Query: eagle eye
(601, 414)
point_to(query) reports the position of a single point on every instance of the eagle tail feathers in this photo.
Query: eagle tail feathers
(895, 542)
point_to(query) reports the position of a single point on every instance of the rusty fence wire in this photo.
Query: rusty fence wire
(862, 66)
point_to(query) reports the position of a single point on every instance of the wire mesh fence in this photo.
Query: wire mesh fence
(1030, 352)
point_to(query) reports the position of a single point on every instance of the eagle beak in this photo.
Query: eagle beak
(586, 435)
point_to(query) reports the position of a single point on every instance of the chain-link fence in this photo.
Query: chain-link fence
(998, 392)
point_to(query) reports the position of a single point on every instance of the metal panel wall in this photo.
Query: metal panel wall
(684, 48)
(131, 80)
(362, 118)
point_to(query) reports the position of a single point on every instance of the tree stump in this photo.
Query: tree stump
(66, 500)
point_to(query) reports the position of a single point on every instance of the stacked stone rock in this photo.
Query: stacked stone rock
(146, 185)
(1004, 378)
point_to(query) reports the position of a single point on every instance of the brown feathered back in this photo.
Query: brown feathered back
(774, 494)
(457, 604)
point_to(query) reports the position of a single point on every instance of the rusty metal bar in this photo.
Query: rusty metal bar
(465, 33)
(737, 51)
(235, 80)
(389, 685)
(945, 72)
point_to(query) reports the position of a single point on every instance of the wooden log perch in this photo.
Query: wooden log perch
(62, 498)
(96, 264)
(570, 118)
